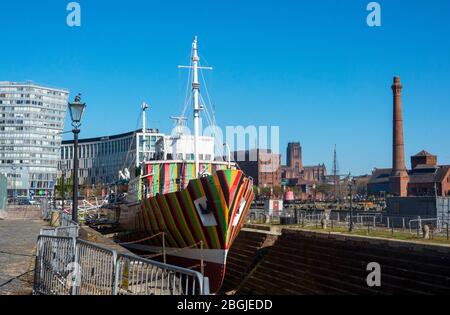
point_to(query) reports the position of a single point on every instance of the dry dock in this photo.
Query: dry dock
(305, 262)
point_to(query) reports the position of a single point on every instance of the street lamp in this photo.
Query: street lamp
(76, 113)
(315, 196)
(350, 187)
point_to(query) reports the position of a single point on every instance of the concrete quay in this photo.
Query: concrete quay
(17, 255)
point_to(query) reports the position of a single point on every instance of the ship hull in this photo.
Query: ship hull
(197, 223)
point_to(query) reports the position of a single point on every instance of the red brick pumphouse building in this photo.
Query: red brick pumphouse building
(422, 191)
(426, 177)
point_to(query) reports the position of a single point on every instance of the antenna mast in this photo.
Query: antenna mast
(196, 90)
(144, 129)
(197, 107)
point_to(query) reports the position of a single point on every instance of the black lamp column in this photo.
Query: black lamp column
(350, 186)
(76, 132)
(76, 113)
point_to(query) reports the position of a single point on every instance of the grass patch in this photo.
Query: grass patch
(398, 234)
(379, 232)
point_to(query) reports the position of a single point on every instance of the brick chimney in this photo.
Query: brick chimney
(398, 181)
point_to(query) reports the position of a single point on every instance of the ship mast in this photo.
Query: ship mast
(144, 129)
(196, 91)
(197, 107)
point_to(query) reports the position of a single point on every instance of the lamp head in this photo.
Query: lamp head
(76, 110)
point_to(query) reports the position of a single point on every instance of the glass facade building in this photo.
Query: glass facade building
(101, 159)
(31, 121)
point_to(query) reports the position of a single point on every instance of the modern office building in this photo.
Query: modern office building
(31, 121)
(101, 159)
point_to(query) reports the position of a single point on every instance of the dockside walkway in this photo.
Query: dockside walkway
(17, 254)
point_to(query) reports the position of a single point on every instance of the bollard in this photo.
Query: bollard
(404, 226)
(426, 231)
(388, 221)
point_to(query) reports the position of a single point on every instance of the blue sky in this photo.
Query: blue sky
(314, 68)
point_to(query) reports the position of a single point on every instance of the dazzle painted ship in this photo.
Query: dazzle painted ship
(186, 207)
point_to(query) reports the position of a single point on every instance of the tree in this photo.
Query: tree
(97, 191)
(278, 191)
(68, 187)
(325, 189)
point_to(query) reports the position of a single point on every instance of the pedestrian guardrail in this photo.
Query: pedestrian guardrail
(68, 231)
(67, 227)
(417, 224)
(54, 258)
(137, 276)
(65, 231)
(369, 221)
(97, 269)
(67, 266)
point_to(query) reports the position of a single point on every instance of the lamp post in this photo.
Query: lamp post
(315, 196)
(76, 113)
(350, 187)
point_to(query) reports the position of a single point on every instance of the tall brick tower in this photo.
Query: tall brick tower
(398, 181)
(294, 157)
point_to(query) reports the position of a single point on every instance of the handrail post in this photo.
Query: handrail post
(418, 222)
(205, 288)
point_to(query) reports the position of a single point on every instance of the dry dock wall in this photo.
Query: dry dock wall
(303, 262)
(247, 251)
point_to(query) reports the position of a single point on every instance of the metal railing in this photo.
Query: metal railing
(164, 252)
(54, 258)
(97, 268)
(436, 224)
(66, 266)
(368, 221)
(66, 228)
(138, 276)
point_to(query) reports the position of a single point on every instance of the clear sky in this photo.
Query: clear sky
(314, 68)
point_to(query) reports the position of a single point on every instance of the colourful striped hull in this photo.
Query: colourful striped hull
(209, 213)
